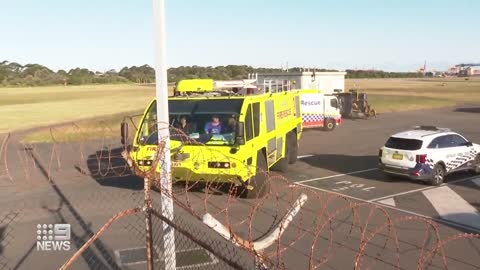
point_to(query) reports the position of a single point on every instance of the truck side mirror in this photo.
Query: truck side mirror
(240, 134)
(124, 132)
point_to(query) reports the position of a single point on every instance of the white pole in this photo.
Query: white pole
(163, 130)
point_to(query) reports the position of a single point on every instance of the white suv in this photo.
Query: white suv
(428, 153)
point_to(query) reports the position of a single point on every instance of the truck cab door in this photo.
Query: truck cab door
(253, 129)
(271, 135)
(332, 106)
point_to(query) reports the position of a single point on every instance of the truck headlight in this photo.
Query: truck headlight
(221, 165)
(145, 162)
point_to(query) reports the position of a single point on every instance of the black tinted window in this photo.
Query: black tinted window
(256, 118)
(334, 103)
(441, 142)
(403, 144)
(458, 140)
(248, 124)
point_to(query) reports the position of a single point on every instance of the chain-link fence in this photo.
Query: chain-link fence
(79, 177)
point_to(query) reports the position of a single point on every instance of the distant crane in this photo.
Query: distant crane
(423, 69)
(468, 65)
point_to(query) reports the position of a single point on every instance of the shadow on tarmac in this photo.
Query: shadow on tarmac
(468, 110)
(2, 238)
(108, 168)
(343, 164)
(468, 222)
(102, 259)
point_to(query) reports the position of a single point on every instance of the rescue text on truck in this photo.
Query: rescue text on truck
(229, 138)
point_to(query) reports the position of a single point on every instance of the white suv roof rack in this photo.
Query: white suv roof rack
(431, 128)
(434, 129)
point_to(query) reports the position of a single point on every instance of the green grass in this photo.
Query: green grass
(391, 103)
(407, 94)
(107, 127)
(23, 108)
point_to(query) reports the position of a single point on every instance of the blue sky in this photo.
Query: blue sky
(397, 35)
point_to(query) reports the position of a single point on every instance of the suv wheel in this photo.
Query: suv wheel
(438, 175)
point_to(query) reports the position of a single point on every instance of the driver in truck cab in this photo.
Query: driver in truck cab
(214, 126)
(185, 126)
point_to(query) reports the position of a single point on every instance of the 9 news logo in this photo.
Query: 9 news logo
(53, 237)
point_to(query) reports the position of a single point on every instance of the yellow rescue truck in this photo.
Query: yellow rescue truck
(225, 132)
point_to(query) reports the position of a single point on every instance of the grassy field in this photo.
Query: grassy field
(387, 95)
(23, 108)
(104, 127)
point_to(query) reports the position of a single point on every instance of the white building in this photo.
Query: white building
(326, 81)
(471, 71)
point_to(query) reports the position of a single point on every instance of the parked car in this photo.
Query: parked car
(428, 153)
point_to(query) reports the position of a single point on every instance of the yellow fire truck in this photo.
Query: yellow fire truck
(235, 132)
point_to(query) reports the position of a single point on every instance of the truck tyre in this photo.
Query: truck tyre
(293, 145)
(329, 124)
(438, 175)
(259, 182)
(282, 164)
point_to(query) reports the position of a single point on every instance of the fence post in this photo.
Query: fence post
(148, 223)
(163, 132)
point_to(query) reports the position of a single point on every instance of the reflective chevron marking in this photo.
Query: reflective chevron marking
(389, 201)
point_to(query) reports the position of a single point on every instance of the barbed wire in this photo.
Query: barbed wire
(325, 224)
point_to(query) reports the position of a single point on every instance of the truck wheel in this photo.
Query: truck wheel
(438, 175)
(329, 125)
(282, 164)
(293, 145)
(259, 182)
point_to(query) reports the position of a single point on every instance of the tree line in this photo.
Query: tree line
(14, 74)
(359, 74)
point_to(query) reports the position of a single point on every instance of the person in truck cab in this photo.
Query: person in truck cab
(185, 126)
(214, 126)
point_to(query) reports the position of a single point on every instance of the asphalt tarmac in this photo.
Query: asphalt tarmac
(402, 219)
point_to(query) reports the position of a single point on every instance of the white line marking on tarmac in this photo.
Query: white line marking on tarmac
(389, 201)
(422, 189)
(399, 194)
(449, 205)
(336, 175)
(443, 221)
(329, 191)
(304, 156)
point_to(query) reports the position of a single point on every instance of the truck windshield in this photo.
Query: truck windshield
(210, 122)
